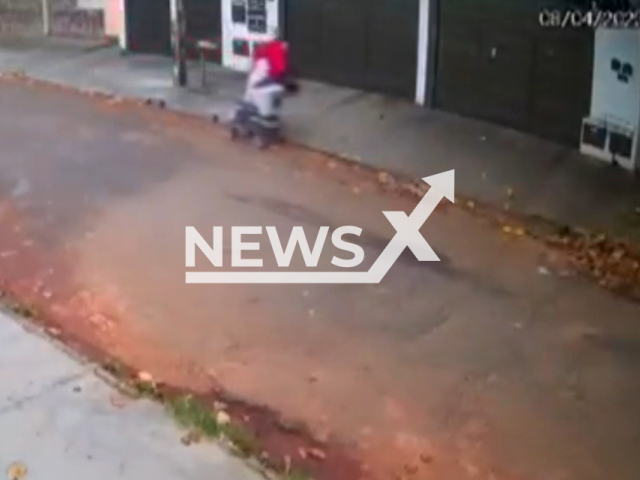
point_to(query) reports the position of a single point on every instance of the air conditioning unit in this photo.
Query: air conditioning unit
(610, 141)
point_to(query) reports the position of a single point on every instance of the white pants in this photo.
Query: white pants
(264, 97)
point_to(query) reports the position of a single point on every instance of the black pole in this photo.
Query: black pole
(178, 40)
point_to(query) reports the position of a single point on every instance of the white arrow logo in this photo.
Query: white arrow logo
(407, 236)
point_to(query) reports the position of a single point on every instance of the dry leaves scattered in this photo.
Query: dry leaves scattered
(614, 264)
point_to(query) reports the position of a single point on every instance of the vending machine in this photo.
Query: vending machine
(245, 24)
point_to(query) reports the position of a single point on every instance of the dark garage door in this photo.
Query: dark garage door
(369, 44)
(496, 63)
(149, 26)
(203, 19)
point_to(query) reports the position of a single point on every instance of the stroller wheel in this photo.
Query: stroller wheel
(261, 141)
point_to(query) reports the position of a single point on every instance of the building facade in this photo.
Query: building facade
(494, 60)
(75, 18)
(144, 26)
(488, 59)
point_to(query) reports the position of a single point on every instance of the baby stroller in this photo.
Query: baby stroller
(259, 118)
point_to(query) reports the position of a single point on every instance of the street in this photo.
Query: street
(485, 365)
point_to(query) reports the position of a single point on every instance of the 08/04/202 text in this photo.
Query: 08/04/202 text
(592, 18)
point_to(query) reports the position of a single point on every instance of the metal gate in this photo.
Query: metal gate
(368, 44)
(496, 63)
(149, 26)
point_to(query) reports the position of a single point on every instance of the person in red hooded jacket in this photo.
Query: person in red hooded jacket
(269, 76)
(276, 55)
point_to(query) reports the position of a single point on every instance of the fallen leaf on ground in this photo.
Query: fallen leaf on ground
(617, 255)
(53, 331)
(426, 458)
(223, 418)
(101, 321)
(384, 178)
(191, 437)
(218, 406)
(145, 377)
(117, 401)
(17, 471)
(317, 453)
(544, 271)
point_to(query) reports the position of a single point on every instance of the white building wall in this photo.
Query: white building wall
(612, 98)
(615, 100)
(92, 4)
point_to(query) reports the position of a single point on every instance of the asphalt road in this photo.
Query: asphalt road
(479, 366)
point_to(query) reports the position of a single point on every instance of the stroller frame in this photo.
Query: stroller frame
(247, 123)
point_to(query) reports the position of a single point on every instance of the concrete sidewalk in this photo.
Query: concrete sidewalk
(59, 420)
(504, 168)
